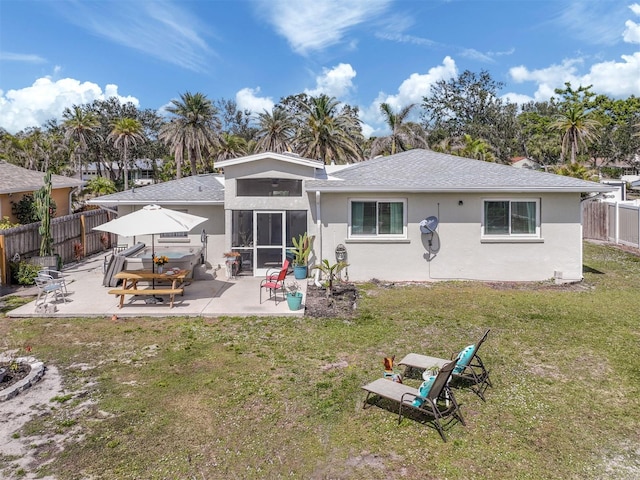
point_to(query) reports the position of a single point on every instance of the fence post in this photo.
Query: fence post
(4, 264)
(617, 224)
(638, 226)
(83, 233)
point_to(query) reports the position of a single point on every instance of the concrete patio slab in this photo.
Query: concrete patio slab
(209, 294)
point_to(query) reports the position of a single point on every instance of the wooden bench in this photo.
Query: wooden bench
(149, 291)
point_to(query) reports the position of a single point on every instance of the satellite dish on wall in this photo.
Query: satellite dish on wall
(429, 224)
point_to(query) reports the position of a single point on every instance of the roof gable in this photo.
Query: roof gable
(283, 157)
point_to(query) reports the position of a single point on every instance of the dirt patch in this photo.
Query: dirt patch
(342, 302)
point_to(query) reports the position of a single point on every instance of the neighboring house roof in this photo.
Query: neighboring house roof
(138, 164)
(197, 189)
(15, 179)
(524, 162)
(428, 171)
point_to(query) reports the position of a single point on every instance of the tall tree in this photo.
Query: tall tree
(80, 126)
(327, 132)
(577, 128)
(194, 129)
(275, 131)
(404, 135)
(231, 146)
(469, 104)
(125, 133)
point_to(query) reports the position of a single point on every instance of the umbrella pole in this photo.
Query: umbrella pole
(153, 266)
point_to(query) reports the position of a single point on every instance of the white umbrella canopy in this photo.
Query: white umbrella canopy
(151, 220)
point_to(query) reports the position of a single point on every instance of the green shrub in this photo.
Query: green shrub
(5, 223)
(26, 211)
(24, 273)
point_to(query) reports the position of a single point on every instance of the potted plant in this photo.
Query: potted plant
(301, 250)
(294, 296)
(232, 263)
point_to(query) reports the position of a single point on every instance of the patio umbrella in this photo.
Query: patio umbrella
(151, 220)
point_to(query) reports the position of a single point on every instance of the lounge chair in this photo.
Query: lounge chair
(438, 403)
(470, 369)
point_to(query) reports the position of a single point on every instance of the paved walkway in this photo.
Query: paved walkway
(210, 294)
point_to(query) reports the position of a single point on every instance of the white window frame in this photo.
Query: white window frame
(379, 236)
(514, 236)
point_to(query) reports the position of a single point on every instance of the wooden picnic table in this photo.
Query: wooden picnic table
(131, 278)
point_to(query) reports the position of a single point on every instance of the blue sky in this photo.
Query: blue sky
(58, 53)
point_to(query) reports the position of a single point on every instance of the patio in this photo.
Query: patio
(209, 294)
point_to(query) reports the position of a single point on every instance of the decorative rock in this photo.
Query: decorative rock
(36, 373)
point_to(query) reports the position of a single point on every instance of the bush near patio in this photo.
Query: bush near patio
(280, 397)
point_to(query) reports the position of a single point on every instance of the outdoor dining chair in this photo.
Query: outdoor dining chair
(47, 285)
(57, 276)
(274, 284)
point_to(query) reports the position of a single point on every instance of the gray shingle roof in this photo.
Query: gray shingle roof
(203, 189)
(428, 171)
(17, 179)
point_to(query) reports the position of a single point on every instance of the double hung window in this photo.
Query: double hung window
(511, 218)
(377, 218)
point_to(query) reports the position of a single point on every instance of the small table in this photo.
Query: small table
(130, 279)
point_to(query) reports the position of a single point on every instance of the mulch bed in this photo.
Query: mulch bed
(341, 303)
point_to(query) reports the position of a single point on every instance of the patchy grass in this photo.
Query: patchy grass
(280, 397)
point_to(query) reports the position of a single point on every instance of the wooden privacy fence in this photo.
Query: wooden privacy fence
(612, 222)
(72, 235)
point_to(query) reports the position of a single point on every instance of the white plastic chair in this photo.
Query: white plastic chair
(48, 285)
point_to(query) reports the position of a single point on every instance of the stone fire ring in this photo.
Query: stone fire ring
(36, 373)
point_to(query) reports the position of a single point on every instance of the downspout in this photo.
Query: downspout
(319, 236)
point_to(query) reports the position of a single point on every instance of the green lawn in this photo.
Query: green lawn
(254, 398)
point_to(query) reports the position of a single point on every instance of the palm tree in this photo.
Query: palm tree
(194, 129)
(576, 128)
(79, 127)
(475, 148)
(328, 134)
(126, 132)
(231, 146)
(404, 135)
(275, 131)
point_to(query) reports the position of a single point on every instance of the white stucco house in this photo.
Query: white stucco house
(485, 221)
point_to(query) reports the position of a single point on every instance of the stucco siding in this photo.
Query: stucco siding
(214, 228)
(457, 251)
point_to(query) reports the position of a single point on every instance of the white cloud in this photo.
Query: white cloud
(21, 57)
(518, 98)
(311, 25)
(617, 79)
(161, 29)
(248, 99)
(411, 90)
(46, 99)
(632, 32)
(334, 82)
